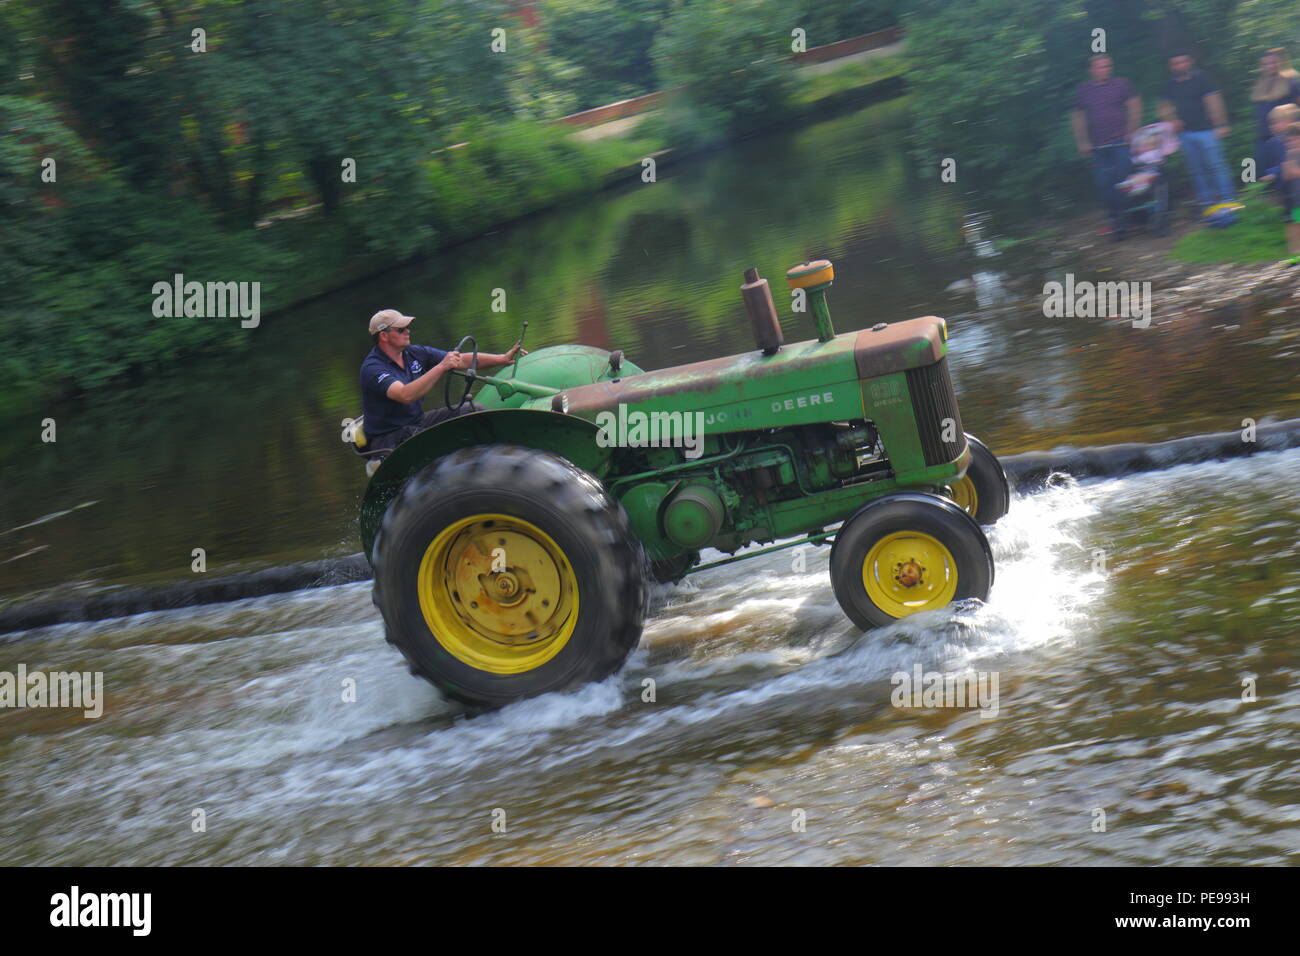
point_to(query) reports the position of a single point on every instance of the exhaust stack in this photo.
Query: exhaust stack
(762, 313)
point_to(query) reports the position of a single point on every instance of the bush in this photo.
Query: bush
(829, 22)
(992, 81)
(609, 42)
(503, 173)
(90, 289)
(730, 58)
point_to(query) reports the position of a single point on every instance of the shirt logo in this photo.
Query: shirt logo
(381, 378)
(415, 367)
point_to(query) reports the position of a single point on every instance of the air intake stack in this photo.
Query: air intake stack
(815, 278)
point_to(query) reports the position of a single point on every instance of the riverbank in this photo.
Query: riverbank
(612, 155)
(1177, 285)
(1081, 246)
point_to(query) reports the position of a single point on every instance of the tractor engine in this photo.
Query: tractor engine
(728, 503)
(787, 431)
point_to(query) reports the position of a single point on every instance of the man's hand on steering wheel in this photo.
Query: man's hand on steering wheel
(454, 361)
(468, 366)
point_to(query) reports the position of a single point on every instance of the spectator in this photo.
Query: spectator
(1291, 180)
(1277, 85)
(1107, 110)
(1273, 153)
(1193, 103)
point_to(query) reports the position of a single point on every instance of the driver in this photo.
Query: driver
(397, 374)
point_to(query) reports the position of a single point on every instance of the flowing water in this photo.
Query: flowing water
(1128, 620)
(1120, 690)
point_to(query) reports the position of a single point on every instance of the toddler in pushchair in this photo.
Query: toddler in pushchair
(1146, 188)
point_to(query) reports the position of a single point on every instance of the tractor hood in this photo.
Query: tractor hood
(803, 383)
(557, 367)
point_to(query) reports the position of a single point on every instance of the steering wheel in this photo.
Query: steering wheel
(469, 376)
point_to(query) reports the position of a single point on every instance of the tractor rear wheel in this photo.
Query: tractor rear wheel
(905, 553)
(503, 572)
(983, 492)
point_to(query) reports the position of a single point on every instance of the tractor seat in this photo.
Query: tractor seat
(355, 435)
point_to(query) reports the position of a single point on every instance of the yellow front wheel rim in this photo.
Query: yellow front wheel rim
(907, 572)
(965, 496)
(498, 593)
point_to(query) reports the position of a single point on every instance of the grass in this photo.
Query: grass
(814, 88)
(613, 155)
(1258, 236)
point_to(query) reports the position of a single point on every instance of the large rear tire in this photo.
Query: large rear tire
(906, 553)
(503, 572)
(983, 492)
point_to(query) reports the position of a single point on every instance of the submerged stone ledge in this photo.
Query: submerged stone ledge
(1033, 469)
(1027, 472)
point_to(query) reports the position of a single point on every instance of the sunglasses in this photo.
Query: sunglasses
(389, 328)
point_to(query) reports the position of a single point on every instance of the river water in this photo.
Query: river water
(1120, 691)
(1125, 617)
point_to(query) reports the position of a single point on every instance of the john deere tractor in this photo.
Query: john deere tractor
(512, 547)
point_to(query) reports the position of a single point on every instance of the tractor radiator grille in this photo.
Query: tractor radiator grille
(933, 400)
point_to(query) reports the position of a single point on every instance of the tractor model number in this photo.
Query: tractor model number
(804, 401)
(886, 393)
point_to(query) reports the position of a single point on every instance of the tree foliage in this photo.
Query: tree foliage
(828, 22)
(728, 59)
(608, 42)
(181, 128)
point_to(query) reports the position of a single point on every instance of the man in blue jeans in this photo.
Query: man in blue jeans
(1194, 105)
(1107, 109)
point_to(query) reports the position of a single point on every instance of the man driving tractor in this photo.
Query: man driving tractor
(397, 374)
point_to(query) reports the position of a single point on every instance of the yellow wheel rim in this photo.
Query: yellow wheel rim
(498, 593)
(907, 572)
(965, 495)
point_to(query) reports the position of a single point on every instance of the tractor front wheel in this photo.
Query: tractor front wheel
(503, 572)
(983, 492)
(905, 553)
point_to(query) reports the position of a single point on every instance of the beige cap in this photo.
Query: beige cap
(389, 319)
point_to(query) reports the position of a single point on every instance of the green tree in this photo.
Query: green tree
(609, 42)
(992, 80)
(829, 22)
(729, 59)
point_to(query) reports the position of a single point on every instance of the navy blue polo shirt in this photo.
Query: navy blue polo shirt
(378, 372)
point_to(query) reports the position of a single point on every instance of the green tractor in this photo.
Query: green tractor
(511, 547)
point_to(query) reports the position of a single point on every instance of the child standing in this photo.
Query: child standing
(1291, 181)
(1273, 153)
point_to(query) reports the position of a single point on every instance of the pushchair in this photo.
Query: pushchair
(1146, 189)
